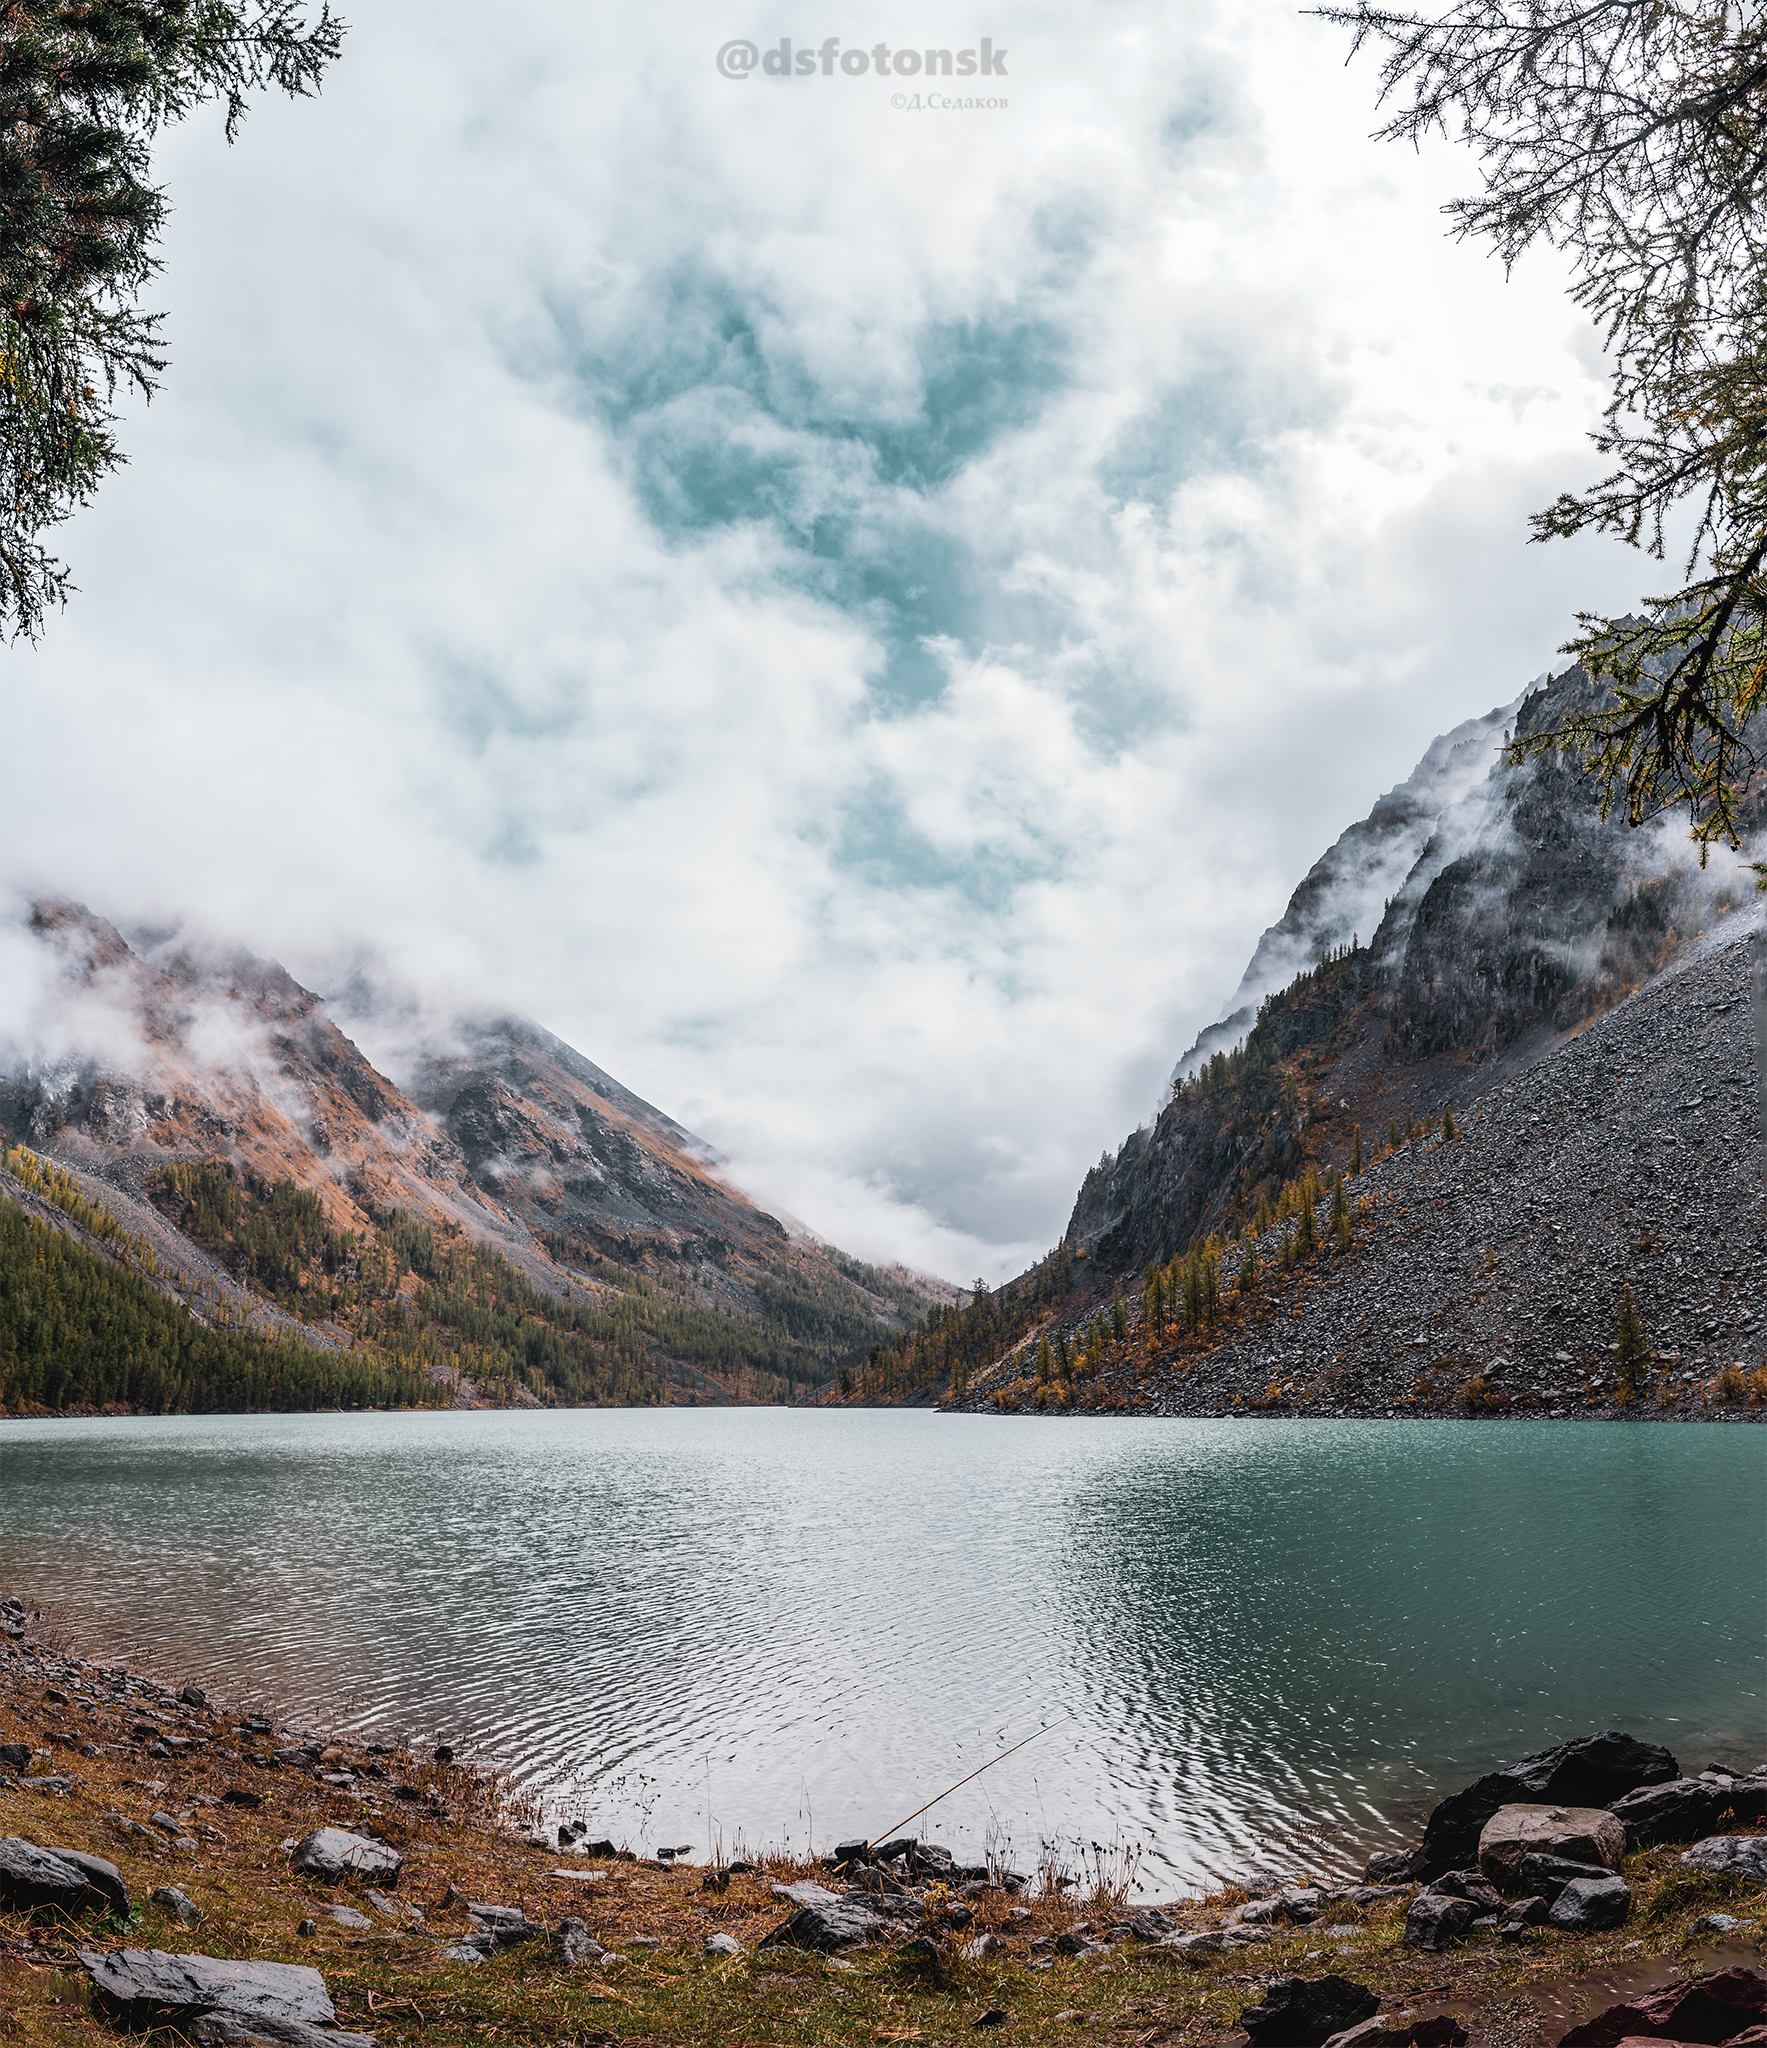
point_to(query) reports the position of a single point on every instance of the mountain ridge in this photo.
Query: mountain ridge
(204, 1085)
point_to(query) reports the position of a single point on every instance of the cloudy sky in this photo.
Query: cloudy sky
(856, 616)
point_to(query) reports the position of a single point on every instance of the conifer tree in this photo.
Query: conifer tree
(1634, 1352)
(1045, 1363)
(1248, 1269)
(1340, 1217)
(1356, 1152)
(1633, 138)
(1447, 1126)
(85, 86)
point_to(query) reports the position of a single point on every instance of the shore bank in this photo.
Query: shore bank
(187, 1796)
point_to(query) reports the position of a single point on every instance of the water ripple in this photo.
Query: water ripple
(1245, 1642)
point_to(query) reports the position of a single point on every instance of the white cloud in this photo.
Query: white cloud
(854, 619)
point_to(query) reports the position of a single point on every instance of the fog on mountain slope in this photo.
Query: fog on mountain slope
(209, 1092)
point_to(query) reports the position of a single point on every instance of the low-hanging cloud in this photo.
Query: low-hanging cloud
(857, 626)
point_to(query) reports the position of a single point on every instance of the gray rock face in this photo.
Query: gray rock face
(1592, 1903)
(1549, 1135)
(1299, 2012)
(145, 1986)
(1682, 1810)
(333, 1853)
(1734, 1855)
(30, 1876)
(16, 1756)
(1511, 920)
(840, 1923)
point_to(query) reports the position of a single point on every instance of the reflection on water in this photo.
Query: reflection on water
(1242, 1641)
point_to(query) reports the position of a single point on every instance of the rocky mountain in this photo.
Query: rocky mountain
(1521, 915)
(1516, 1078)
(1436, 811)
(152, 1064)
(1483, 1271)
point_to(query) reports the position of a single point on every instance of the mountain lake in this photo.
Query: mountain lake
(1231, 1644)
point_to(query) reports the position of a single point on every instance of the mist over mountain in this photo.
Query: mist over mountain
(221, 1111)
(1476, 917)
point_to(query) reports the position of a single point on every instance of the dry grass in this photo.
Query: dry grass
(459, 1847)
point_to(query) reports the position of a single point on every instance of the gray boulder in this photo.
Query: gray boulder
(1468, 1884)
(231, 2030)
(1594, 1770)
(1216, 1941)
(1682, 1810)
(332, 1853)
(1747, 1796)
(1525, 1913)
(1592, 1904)
(572, 1943)
(1732, 1855)
(30, 1876)
(1581, 1834)
(841, 1923)
(721, 1944)
(502, 1927)
(228, 2030)
(1301, 2012)
(806, 1894)
(179, 1904)
(148, 1987)
(1547, 1876)
(1437, 1920)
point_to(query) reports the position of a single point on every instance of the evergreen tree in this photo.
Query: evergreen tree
(1634, 138)
(1340, 1217)
(1248, 1269)
(1356, 1152)
(85, 86)
(1634, 1352)
(1447, 1126)
(1306, 1241)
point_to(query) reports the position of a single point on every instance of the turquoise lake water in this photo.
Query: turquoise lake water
(1237, 1643)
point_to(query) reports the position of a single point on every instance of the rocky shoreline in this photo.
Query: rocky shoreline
(167, 1861)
